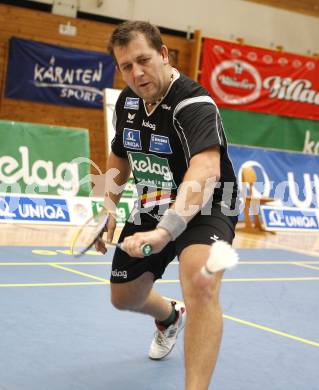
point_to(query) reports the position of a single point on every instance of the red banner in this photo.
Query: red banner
(254, 79)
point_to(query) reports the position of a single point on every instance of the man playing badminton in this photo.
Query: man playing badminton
(169, 135)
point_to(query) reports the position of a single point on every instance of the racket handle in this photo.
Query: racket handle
(146, 248)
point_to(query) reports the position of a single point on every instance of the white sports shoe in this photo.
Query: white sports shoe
(165, 338)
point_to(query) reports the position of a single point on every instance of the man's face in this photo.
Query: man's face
(143, 68)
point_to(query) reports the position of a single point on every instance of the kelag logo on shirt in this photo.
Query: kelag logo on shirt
(132, 139)
(151, 170)
(160, 144)
(131, 103)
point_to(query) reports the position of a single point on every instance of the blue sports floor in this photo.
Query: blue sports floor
(59, 331)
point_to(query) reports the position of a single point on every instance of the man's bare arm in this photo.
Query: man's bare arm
(198, 183)
(118, 172)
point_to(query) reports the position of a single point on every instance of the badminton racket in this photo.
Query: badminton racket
(92, 231)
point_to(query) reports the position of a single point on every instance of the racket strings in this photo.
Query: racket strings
(86, 236)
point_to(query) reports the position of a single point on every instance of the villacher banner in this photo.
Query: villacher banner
(48, 73)
(254, 79)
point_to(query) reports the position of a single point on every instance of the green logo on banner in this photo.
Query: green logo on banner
(122, 210)
(130, 189)
(96, 207)
(151, 170)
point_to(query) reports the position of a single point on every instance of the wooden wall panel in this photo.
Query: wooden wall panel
(307, 7)
(43, 27)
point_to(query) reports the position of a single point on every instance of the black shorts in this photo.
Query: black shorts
(202, 229)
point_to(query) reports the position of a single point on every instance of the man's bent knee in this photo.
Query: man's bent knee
(131, 295)
(192, 260)
(122, 303)
(126, 300)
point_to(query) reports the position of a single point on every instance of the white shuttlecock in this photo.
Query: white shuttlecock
(222, 256)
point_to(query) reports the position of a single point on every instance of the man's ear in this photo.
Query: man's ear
(164, 53)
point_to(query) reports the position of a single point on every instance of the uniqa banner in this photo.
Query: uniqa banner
(74, 210)
(291, 178)
(290, 218)
(255, 79)
(48, 73)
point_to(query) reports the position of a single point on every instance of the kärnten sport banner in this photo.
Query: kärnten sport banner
(249, 78)
(60, 75)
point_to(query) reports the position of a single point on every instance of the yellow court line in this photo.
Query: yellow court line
(51, 284)
(261, 262)
(304, 265)
(166, 281)
(279, 246)
(73, 271)
(261, 327)
(271, 330)
(57, 262)
(269, 279)
(105, 281)
(34, 263)
(249, 279)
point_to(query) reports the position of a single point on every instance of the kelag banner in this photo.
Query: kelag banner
(48, 73)
(292, 178)
(42, 159)
(271, 131)
(255, 79)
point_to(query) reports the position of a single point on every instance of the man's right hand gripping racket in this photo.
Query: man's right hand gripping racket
(91, 231)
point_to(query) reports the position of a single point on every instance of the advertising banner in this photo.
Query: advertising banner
(72, 210)
(254, 79)
(248, 128)
(291, 178)
(59, 75)
(16, 208)
(42, 159)
(271, 131)
(288, 218)
(123, 208)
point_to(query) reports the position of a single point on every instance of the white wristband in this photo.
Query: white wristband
(172, 222)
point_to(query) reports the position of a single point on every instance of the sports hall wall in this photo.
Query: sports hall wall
(91, 35)
(257, 24)
(230, 19)
(226, 20)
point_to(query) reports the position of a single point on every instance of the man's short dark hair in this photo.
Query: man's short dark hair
(127, 31)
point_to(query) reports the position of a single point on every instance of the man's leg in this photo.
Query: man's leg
(139, 296)
(203, 330)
